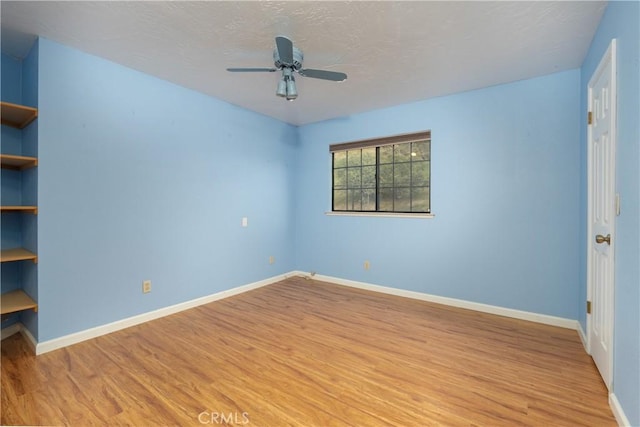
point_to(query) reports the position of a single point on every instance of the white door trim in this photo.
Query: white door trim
(610, 57)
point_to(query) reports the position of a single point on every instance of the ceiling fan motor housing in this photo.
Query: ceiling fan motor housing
(297, 60)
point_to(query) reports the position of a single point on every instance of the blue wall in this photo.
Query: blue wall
(141, 179)
(506, 199)
(622, 21)
(11, 79)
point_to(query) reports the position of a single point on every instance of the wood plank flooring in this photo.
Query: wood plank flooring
(307, 353)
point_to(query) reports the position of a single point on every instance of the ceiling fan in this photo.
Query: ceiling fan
(288, 59)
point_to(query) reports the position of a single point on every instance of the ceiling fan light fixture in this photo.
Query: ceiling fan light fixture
(292, 91)
(282, 88)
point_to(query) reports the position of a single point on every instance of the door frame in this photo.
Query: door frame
(610, 56)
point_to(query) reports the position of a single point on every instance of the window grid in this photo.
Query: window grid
(402, 194)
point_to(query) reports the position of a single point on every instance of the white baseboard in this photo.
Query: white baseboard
(621, 418)
(485, 308)
(56, 343)
(31, 340)
(77, 337)
(11, 330)
(583, 338)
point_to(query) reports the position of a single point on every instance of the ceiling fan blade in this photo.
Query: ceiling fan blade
(285, 50)
(323, 74)
(251, 70)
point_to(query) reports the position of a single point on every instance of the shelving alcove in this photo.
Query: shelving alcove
(19, 117)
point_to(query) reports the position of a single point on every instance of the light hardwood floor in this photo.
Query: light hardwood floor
(308, 353)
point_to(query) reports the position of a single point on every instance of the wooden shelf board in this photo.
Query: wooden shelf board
(17, 116)
(9, 161)
(14, 301)
(17, 254)
(25, 209)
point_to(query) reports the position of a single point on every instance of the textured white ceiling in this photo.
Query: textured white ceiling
(393, 52)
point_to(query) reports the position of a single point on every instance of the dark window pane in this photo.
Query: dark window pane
(354, 178)
(386, 176)
(420, 173)
(420, 199)
(402, 174)
(340, 178)
(354, 157)
(402, 202)
(369, 199)
(339, 159)
(420, 151)
(369, 156)
(402, 153)
(339, 200)
(354, 200)
(389, 178)
(385, 199)
(386, 154)
(369, 177)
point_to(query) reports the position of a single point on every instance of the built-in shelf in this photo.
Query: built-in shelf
(9, 161)
(14, 301)
(25, 209)
(17, 254)
(17, 116)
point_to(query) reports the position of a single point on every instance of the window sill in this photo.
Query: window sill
(382, 214)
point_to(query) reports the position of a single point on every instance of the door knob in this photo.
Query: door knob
(601, 239)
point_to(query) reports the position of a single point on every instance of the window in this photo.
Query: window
(390, 174)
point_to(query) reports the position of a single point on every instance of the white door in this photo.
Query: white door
(602, 211)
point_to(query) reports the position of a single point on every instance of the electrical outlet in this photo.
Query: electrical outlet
(272, 259)
(146, 286)
(367, 265)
